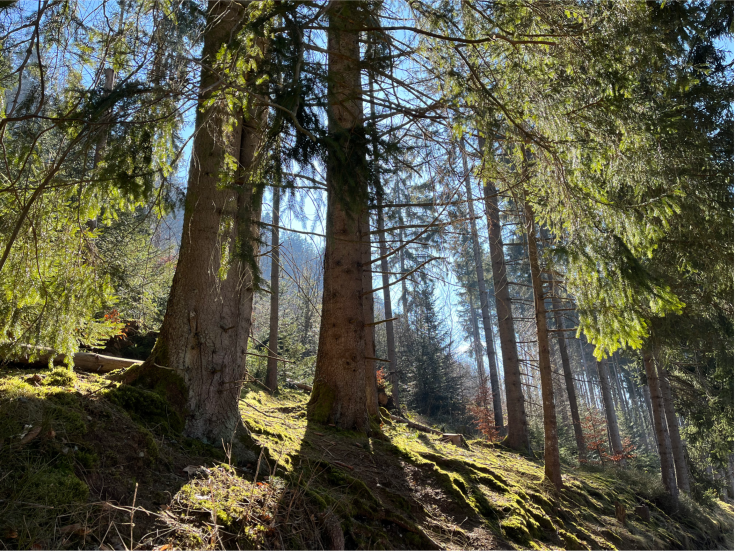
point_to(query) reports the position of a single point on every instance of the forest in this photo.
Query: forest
(366, 274)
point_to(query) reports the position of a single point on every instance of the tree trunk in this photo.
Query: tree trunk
(636, 408)
(552, 466)
(662, 435)
(371, 382)
(484, 300)
(677, 447)
(610, 415)
(388, 307)
(339, 395)
(517, 430)
(647, 400)
(569, 380)
(481, 380)
(203, 338)
(588, 379)
(271, 376)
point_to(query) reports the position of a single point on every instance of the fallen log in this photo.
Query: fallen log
(297, 385)
(457, 439)
(414, 425)
(86, 362)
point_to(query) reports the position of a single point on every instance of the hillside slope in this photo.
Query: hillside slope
(86, 463)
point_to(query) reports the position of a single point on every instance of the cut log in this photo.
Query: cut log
(86, 362)
(413, 425)
(620, 512)
(457, 439)
(643, 512)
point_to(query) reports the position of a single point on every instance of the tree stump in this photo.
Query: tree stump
(643, 512)
(620, 512)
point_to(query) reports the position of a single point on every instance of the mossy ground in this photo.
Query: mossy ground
(100, 447)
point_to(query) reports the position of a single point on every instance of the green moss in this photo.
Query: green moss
(542, 501)
(571, 542)
(146, 407)
(386, 415)
(319, 408)
(515, 530)
(88, 460)
(60, 377)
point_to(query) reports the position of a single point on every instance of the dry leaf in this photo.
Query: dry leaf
(163, 547)
(35, 379)
(11, 534)
(75, 529)
(32, 434)
(50, 434)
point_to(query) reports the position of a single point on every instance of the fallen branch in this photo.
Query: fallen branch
(302, 386)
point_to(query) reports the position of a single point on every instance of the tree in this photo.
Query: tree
(271, 378)
(610, 415)
(339, 395)
(200, 354)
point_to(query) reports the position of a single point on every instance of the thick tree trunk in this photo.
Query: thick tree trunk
(662, 435)
(388, 307)
(484, 299)
(552, 465)
(271, 376)
(612, 418)
(677, 447)
(203, 339)
(517, 430)
(339, 395)
(569, 380)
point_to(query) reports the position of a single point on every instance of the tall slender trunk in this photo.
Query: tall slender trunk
(517, 430)
(371, 381)
(388, 307)
(646, 392)
(481, 379)
(619, 385)
(104, 131)
(552, 465)
(339, 393)
(636, 409)
(677, 447)
(402, 262)
(590, 389)
(203, 339)
(569, 380)
(610, 415)
(662, 435)
(271, 376)
(484, 300)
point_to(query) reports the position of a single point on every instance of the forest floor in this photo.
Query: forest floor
(88, 464)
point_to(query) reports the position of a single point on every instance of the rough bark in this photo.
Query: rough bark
(610, 415)
(339, 395)
(388, 308)
(552, 465)
(517, 429)
(677, 447)
(662, 435)
(569, 380)
(271, 376)
(484, 299)
(203, 338)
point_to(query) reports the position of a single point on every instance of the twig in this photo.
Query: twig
(132, 514)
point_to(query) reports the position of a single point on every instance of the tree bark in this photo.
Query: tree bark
(484, 299)
(339, 395)
(203, 338)
(677, 447)
(481, 379)
(645, 391)
(662, 435)
(271, 376)
(517, 430)
(552, 465)
(569, 380)
(610, 415)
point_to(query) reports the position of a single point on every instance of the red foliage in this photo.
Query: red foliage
(380, 376)
(482, 414)
(595, 435)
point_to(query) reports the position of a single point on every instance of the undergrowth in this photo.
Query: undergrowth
(86, 462)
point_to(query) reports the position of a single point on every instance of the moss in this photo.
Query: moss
(386, 416)
(515, 529)
(52, 487)
(542, 501)
(571, 542)
(60, 377)
(88, 460)
(319, 408)
(146, 407)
